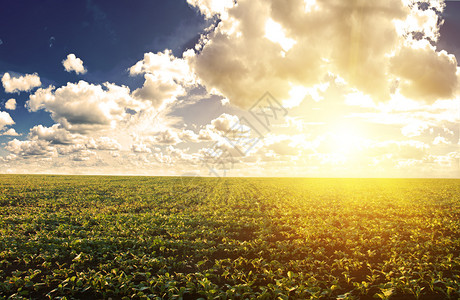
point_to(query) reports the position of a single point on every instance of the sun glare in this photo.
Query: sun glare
(275, 33)
(310, 5)
(347, 139)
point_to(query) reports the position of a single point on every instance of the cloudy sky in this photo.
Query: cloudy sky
(331, 88)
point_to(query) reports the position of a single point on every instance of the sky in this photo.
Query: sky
(311, 88)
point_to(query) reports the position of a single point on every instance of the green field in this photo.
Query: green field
(93, 237)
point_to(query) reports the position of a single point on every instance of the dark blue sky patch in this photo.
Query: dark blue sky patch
(449, 39)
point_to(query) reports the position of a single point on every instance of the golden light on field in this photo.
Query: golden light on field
(328, 88)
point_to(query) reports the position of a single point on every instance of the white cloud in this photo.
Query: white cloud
(224, 122)
(210, 8)
(415, 128)
(54, 134)
(10, 104)
(70, 149)
(188, 136)
(83, 155)
(275, 33)
(30, 148)
(166, 78)
(422, 22)
(364, 43)
(174, 155)
(164, 64)
(159, 90)
(424, 73)
(73, 63)
(93, 120)
(439, 140)
(140, 148)
(232, 60)
(10, 132)
(167, 137)
(5, 119)
(21, 83)
(47, 139)
(104, 143)
(85, 107)
(359, 99)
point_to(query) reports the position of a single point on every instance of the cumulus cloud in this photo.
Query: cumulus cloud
(182, 155)
(83, 106)
(83, 155)
(30, 148)
(224, 122)
(440, 140)
(223, 125)
(164, 64)
(103, 143)
(210, 8)
(167, 137)
(54, 134)
(5, 119)
(11, 132)
(424, 73)
(188, 135)
(159, 90)
(21, 83)
(140, 148)
(415, 128)
(241, 63)
(70, 149)
(423, 22)
(166, 77)
(56, 139)
(10, 104)
(365, 43)
(73, 63)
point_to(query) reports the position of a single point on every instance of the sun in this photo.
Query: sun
(346, 138)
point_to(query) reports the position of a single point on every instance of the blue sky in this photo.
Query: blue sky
(110, 36)
(155, 87)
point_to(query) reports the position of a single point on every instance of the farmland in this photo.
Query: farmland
(95, 237)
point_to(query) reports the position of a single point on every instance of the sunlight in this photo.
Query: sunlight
(347, 138)
(310, 5)
(297, 94)
(275, 33)
(357, 98)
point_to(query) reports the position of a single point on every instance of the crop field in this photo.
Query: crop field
(96, 237)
